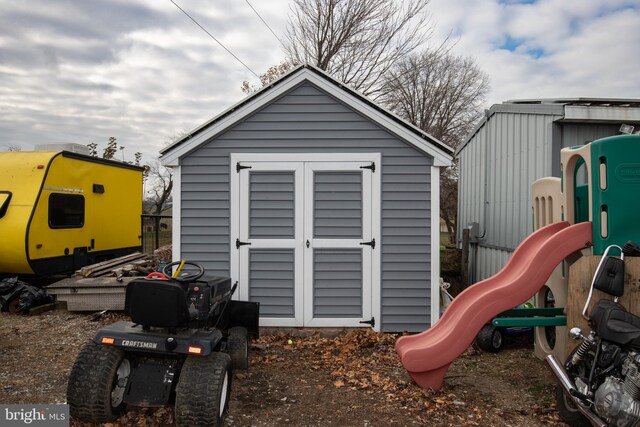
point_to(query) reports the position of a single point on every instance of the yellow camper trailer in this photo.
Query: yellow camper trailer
(60, 211)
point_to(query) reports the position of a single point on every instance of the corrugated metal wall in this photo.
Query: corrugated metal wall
(582, 133)
(308, 120)
(497, 168)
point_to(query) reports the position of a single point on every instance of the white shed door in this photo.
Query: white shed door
(338, 248)
(306, 241)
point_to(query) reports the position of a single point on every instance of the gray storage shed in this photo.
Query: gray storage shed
(323, 206)
(516, 143)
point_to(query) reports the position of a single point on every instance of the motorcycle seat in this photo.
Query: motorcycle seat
(613, 323)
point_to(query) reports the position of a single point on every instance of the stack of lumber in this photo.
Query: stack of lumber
(136, 264)
(101, 286)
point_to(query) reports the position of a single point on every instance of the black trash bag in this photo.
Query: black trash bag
(28, 296)
(9, 290)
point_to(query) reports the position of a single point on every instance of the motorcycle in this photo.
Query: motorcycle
(600, 380)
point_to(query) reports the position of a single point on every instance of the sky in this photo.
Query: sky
(139, 70)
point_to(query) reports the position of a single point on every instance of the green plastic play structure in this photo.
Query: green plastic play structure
(528, 317)
(615, 187)
(600, 182)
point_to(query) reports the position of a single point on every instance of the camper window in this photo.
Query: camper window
(66, 210)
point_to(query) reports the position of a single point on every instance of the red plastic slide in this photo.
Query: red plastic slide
(427, 355)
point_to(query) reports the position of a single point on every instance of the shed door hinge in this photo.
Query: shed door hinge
(372, 243)
(239, 167)
(239, 243)
(371, 322)
(372, 166)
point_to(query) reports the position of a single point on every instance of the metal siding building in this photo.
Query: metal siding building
(287, 175)
(515, 144)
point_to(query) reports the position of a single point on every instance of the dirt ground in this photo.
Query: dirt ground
(353, 379)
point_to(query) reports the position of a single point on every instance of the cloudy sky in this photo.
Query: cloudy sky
(139, 70)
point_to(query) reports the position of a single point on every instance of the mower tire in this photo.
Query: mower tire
(203, 390)
(238, 347)
(97, 382)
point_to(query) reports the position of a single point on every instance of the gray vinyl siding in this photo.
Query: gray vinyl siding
(337, 283)
(271, 278)
(307, 120)
(271, 205)
(499, 163)
(337, 205)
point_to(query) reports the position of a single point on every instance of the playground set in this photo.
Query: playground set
(581, 213)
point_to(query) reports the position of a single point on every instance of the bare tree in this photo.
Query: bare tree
(273, 73)
(111, 149)
(438, 92)
(161, 181)
(158, 180)
(13, 147)
(443, 95)
(93, 149)
(356, 41)
(449, 199)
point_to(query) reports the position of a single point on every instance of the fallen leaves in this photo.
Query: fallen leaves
(365, 361)
(361, 359)
(356, 375)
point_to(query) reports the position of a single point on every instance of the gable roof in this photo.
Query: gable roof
(422, 141)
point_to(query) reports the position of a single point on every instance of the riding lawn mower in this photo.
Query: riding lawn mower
(185, 337)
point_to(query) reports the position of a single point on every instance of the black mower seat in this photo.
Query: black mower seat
(158, 303)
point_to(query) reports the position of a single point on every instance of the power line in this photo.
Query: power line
(216, 40)
(264, 22)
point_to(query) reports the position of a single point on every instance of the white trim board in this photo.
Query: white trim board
(435, 244)
(171, 155)
(280, 160)
(368, 193)
(176, 214)
(242, 256)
